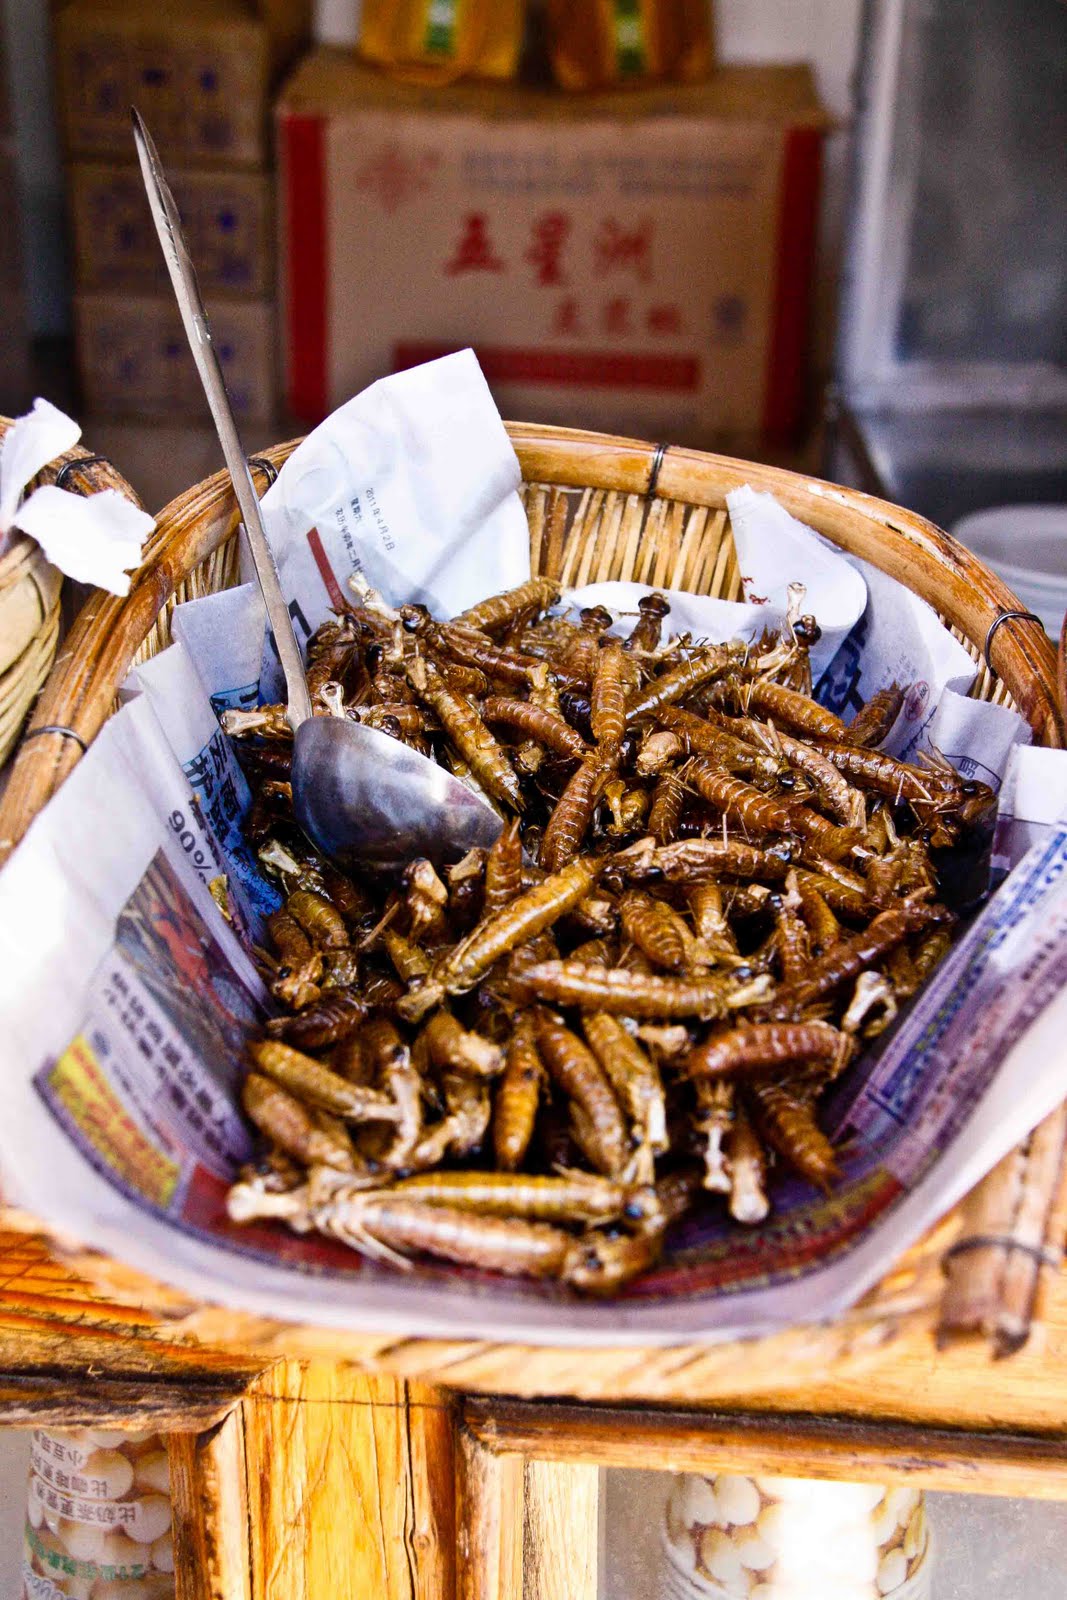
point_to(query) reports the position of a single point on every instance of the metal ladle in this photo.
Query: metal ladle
(361, 797)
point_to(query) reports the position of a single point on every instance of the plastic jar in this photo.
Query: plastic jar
(730, 1537)
(98, 1517)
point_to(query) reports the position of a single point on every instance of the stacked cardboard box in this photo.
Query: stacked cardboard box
(201, 77)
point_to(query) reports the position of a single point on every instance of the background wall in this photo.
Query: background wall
(25, 26)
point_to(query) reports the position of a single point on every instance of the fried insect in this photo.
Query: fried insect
(657, 929)
(288, 1123)
(576, 1070)
(761, 814)
(309, 1080)
(569, 823)
(503, 870)
(389, 1061)
(269, 722)
(487, 760)
(607, 702)
(930, 951)
(874, 721)
(793, 950)
(748, 1171)
(667, 801)
(840, 798)
(474, 649)
(340, 971)
(465, 890)
(725, 748)
(409, 959)
(469, 681)
(834, 889)
(501, 610)
(332, 1020)
(538, 908)
(517, 1096)
(544, 727)
(579, 658)
(939, 791)
(639, 994)
(883, 879)
(788, 1122)
(823, 927)
(755, 812)
(872, 1007)
(715, 1119)
(628, 807)
(636, 1081)
(645, 634)
(385, 1226)
(702, 860)
(848, 958)
(456, 1049)
(319, 918)
(680, 681)
(797, 711)
(602, 1263)
(705, 904)
(755, 1048)
(659, 749)
(299, 964)
(575, 1197)
(425, 898)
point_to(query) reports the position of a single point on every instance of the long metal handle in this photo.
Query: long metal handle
(198, 331)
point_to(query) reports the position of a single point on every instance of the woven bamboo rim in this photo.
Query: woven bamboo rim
(599, 507)
(30, 589)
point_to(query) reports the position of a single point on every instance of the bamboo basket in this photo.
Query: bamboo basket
(30, 595)
(609, 508)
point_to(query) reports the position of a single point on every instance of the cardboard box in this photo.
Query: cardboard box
(200, 74)
(639, 262)
(228, 220)
(134, 360)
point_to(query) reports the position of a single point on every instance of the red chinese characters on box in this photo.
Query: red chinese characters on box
(616, 251)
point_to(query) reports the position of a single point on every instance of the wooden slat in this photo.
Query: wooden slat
(350, 1483)
(971, 1462)
(561, 1531)
(64, 1397)
(881, 1361)
(489, 1521)
(209, 1491)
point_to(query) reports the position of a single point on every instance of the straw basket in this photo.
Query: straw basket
(598, 508)
(30, 595)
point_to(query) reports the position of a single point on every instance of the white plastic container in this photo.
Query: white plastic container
(98, 1517)
(1025, 545)
(737, 1538)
